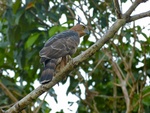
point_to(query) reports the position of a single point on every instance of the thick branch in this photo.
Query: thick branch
(70, 66)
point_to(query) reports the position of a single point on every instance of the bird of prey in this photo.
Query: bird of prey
(54, 54)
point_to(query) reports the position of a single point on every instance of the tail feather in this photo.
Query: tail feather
(49, 71)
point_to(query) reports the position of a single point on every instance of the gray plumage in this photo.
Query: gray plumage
(58, 46)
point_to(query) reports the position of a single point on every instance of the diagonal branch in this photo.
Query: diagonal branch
(71, 12)
(139, 16)
(132, 8)
(20, 105)
(37, 110)
(70, 66)
(8, 93)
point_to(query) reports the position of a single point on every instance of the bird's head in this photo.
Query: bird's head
(80, 29)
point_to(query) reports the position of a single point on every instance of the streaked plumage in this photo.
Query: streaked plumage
(56, 50)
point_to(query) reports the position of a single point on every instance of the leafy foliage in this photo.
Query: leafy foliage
(25, 26)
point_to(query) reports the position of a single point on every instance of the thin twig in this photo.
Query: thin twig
(37, 110)
(132, 56)
(132, 8)
(72, 14)
(114, 94)
(117, 9)
(122, 82)
(8, 93)
(90, 73)
(6, 106)
(40, 20)
(1, 111)
(90, 20)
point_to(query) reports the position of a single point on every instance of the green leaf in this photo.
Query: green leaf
(16, 5)
(146, 99)
(56, 29)
(31, 40)
(18, 15)
(123, 1)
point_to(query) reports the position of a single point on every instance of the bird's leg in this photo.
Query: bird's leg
(58, 65)
(63, 62)
(69, 58)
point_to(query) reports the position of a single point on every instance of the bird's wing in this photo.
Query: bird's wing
(60, 45)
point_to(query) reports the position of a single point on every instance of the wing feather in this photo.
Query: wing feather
(60, 45)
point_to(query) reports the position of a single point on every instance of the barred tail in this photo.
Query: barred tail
(49, 71)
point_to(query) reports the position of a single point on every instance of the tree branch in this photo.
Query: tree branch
(37, 110)
(39, 19)
(71, 12)
(70, 66)
(139, 16)
(123, 83)
(117, 9)
(132, 8)
(20, 105)
(8, 93)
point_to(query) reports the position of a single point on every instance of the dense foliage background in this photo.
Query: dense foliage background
(123, 62)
